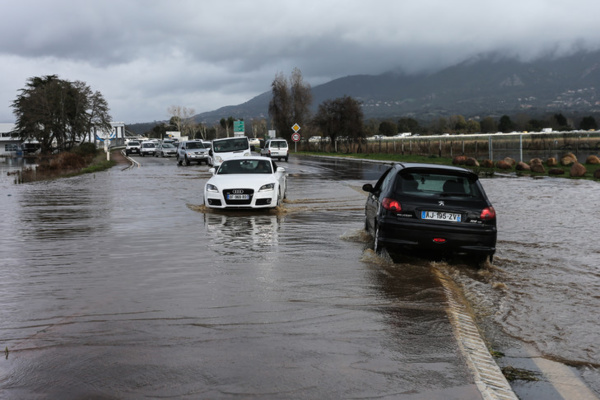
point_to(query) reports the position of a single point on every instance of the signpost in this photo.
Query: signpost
(296, 137)
(238, 128)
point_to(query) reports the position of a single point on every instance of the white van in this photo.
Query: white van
(226, 148)
(276, 148)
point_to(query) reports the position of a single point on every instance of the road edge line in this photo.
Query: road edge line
(489, 379)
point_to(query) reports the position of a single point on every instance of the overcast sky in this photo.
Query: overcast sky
(146, 55)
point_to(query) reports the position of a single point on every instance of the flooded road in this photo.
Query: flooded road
(120, 285)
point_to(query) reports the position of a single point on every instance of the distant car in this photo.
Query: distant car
(246, 182)
(276, 148)
(254, 142)
(147, 148)
(133, 146)
(193, 151)
(433, 209)
(165, 149)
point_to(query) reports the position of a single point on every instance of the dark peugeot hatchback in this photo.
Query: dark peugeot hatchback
(433, 209)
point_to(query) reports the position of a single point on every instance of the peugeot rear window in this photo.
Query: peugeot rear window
(438, 184)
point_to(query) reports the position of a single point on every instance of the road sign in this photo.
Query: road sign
(296, 127)
(296, 137)
(238, 126)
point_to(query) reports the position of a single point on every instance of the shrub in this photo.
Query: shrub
(85, 150)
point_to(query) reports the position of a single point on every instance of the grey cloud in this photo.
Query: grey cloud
(145, 55)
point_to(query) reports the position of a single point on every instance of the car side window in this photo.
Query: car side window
(379, 183)
(387, 182)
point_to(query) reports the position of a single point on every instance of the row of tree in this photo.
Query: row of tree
(343, 117)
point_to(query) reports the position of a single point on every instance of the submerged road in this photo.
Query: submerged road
(121, 285)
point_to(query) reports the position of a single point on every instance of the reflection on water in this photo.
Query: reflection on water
(241, 231)
(52, 212)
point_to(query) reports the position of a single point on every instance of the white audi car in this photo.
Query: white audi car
(246, 182)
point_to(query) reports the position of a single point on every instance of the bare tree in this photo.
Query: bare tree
(290, 103)
(226, 123)
(182, 118)
(301, 99)
(259, 127)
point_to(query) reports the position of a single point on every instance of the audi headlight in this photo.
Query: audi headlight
(211, 188)
(268, 186)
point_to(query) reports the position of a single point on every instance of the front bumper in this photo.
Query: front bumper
(266, 199)
(198, 157)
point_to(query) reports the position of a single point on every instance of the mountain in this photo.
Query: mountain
(487, 85)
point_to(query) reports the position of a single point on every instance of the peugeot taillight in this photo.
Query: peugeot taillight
(488, 214)
(391, 204)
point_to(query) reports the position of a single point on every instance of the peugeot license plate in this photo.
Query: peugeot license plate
(440, 216)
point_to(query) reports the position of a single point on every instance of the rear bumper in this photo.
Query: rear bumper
(437, 237)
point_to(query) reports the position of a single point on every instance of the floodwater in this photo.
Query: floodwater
(121, 285)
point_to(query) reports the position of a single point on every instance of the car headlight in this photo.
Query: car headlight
(211, 188)
(219, 159)
(268, 186)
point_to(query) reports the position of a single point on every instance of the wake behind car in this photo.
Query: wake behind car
(433, 209)
(246, 182)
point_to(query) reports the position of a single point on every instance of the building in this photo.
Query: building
(11, 146)
(116, 136)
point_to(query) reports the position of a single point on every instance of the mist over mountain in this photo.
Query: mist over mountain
(488, 85)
